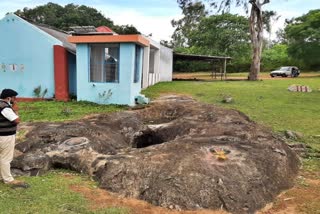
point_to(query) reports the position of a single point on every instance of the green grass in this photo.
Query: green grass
(61, 111)
(267, 102)
(49, 194)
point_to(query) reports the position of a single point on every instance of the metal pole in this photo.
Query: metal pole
(215, 70)
(220, 68)
(225, 68)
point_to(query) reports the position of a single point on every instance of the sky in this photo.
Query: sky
(154, 16)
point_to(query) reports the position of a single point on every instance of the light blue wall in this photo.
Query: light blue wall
(22, 43)
(123, 92)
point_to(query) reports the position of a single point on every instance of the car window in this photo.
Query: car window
(284, 69)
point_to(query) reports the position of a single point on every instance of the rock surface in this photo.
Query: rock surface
(164, 154)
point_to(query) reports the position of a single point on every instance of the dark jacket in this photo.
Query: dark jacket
(6, 127)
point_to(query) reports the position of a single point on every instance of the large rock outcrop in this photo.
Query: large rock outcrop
(175, 153)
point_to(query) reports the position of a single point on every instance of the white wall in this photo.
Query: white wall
(166, 61)
(157, 64)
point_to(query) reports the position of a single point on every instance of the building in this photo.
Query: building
(97, 66)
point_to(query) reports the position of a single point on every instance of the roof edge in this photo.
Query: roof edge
(133, 38)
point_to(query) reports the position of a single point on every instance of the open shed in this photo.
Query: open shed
(219, 63)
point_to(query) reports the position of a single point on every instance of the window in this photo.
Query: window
(104, 63)
(151, 60)
(137, 64)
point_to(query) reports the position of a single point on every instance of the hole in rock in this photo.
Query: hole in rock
(148, 138)
(57, 165)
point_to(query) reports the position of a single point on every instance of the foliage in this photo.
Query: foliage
(275, 57)
(269, 18)
(191, 66)
(193, 13)
(226, 35)
(61, 111)
(125, 29)
(303, 36)
(281, 37)
(62, 18)
(166, 43)
(218, 35)
(37, 92)
(255, 20)
(269, 15)
(50, 193)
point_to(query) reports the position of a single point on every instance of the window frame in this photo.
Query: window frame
(103, 62)
(137, 63)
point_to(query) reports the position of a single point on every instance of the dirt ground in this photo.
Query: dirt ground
(208, 77)
(304, 197)
(100, 198)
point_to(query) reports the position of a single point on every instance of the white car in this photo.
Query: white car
(285, 71)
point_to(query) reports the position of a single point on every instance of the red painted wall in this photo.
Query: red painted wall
(61, 78)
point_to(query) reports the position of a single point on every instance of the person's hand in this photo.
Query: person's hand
(15, 108)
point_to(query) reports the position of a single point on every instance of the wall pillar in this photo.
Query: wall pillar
(145, 68)
(157, 66)
(61, 78)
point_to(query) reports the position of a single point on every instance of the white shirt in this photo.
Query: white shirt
(9, 114)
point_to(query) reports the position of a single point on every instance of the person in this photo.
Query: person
(8, 127)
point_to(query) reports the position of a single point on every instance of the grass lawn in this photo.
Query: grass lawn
(208, 76)
(61, 111)
(267, 102)
(50, 194)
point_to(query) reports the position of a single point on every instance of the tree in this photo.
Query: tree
(225, 34)
(193, 13)
(275, 57)
(269, 17)
(200, 33)
(256, 26)
(125, 29)
(303, 37)
(71, 15)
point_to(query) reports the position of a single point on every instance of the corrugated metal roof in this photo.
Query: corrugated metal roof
(63, 37)
(180, 56)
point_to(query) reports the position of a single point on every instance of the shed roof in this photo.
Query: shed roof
(180, 56)
(62, 36)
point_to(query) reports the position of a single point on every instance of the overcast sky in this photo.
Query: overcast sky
(154, 16)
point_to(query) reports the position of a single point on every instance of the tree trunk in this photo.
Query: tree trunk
(256, 32)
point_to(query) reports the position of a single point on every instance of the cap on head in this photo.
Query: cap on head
(8, 93)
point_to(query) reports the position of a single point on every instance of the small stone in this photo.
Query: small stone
(299, 88)
(293, 135)
(227, 99)
(177, 207)
(279, 151)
